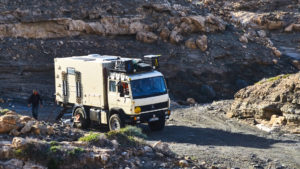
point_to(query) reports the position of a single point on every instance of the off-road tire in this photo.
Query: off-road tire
(115, 122)
(83, 123)
(157, 125)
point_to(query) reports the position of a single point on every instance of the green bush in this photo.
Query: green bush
(76, 151)
(19, 153)
(133, 131)
(53, 143)
(3, 111)
(91, 137)
(127, 136)
(54, 149)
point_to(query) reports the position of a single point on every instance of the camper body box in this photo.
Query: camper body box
(82, 80)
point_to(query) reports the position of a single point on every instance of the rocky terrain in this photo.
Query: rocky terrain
(202, 136)
(273, 102)
(37, 145)
(210, 49)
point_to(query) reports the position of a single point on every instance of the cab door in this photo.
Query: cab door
(125, 100)
(112, 93)
(119, 95)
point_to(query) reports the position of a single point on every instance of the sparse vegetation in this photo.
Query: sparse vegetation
(127, 136)
(76, 151)
(54, 149)
(18, 152)
(3, 111)
(53, 143)
(91, 137)
(273, 78)
(133, 131)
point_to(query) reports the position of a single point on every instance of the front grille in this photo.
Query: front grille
(154, 106)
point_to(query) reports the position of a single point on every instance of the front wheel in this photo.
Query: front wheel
(115, 122)
(79, 120)
(157, 125)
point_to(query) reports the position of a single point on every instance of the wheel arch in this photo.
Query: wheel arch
(76, 106)
(116, 110)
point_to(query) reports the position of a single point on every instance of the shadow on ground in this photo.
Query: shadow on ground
(209, 136)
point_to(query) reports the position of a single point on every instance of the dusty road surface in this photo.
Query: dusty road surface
(204, 134)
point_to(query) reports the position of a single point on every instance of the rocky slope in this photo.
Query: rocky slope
(273, 102)
(210, 49)
(27, 143)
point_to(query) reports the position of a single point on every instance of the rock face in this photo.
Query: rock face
(33, 33)
(275, 101)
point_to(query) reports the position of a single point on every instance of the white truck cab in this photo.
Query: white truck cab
(113, 91)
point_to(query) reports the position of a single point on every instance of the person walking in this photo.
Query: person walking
(35, 100)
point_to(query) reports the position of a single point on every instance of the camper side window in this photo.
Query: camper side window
(112, 86)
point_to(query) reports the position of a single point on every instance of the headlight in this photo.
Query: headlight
(137, 110)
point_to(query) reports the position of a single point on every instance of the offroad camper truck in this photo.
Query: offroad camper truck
(113, 91)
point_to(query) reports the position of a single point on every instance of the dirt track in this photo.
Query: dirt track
(204, 134)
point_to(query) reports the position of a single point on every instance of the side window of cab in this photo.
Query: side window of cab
(112, 86)
(123, 89)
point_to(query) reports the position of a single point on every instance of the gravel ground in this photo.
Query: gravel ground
(203, 133)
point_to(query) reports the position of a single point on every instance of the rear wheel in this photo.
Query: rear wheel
(79, 120)
(157, 125)
(115, 122)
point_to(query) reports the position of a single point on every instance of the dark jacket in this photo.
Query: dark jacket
(35, 100)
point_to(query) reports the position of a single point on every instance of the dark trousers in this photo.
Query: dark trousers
(35, 113)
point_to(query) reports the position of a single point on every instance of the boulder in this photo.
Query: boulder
(273, 25)
(148, 149)
(25, 119)
(296, 63)
(19, 142)
(50, 130)
(164, 34)
(27, 127)
(201, 42)
(243, 39)
(146, 37)
(289, 28)
(183, 163)
(190, 43)
(14, 132)
(163, 148)
(277, 52)
(175, 37)
(191, 101)
(8, 122)
(262, 33)
(198, 22)
(277, 120)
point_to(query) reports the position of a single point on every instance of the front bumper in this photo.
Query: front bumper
(148, 117)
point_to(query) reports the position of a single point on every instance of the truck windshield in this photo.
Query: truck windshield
(147, 87)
